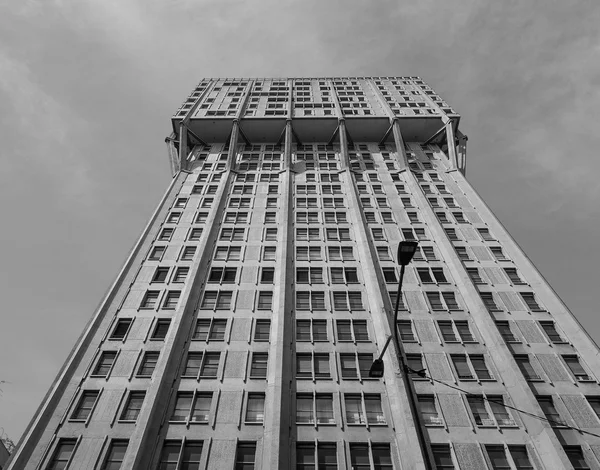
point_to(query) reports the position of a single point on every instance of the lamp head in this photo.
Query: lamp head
(406, 251)
(376, 370)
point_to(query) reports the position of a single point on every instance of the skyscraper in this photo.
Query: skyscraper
(241, 330)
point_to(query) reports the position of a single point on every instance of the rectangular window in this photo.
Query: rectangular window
(104, 364)
(181, 274)
(115, 455)
(488, 300)
(210, 329)
(210, 365)
(160, 275)
(86, 404)
(498, 253)
(173, 456)
(406, 331)
(262, 330)
(133, 406)
(529, 299)
(228, 253)
(269, 253)
(506, 332)
(462, 252)
(255, 408)
(552, 415)
(352, 330)
(379, 454)
(576, 368)
(271, 234)
(62, 454)
(265, 300)
(312, 366)
(121, 328)
(485, 234)
(310, 300)
(148, 364)
(258, 366)
(172, 299)
(551, 332)
(475, 276)
(220, 300)
(526, 367)
(442, 457)
(576, 458)
(183, 404)
(513, 275)
(166, 234)
(150, 299)
(161, 329)
(267, 275)
(429, 411)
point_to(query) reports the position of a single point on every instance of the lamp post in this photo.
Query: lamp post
(406, 251)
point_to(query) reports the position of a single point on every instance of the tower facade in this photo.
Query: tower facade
(240, 332)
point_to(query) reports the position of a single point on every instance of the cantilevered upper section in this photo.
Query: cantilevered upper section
(315, 105)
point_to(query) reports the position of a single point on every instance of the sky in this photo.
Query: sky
(87, 89)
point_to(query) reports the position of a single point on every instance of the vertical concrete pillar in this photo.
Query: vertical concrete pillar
(276, 448)
(451, 143)
(183, 146)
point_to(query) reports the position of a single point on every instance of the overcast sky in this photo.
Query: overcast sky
(87, 89)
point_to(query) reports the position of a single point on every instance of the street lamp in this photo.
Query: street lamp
(406, 251)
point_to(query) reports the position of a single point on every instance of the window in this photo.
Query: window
(310, 300)
(309, 275)
(513, 275)
(201, 217)
(271, 234)
(460, 217)
(271, 202)
(506, 332)
(308, 406)
(258, 365)
(490, 303)
(442, 457)
(188, 253)
(331, 203)
(333, 218)
(255, 408)
(157, 253)
(210, 329)
(232, 234)
(429, 411)
(520, 457)
(552, 415)
(166, 234)
(192, 407)
(236, 218)
(262, 330)
(576, 458)
(526, 367)
(498, 253)
(475, 276)
(451, 233)
(355, 366)
(343, 253)
(104, 364)
(405, 330)
(202, 364)
(358, 332)
(312, 366)
(115, 455)
(595, 404)
(529, 299)
(228, 253)
(270, 217)
(380, 456)
(265, 300)
(339, 234)
(389, 274)
(173, 217)
(489, 411)
(462, 252)
(414, 363)
(62, 454)
(485, 234)
(133, 406)
(148, 364)
(173, 456)
(86, 404)
(161, 329)
(220, 300)
(269, 253)
(497, 457)
(471, 367)
(344, 275)
(222, 275)
(448, 334)
(432, 275)
(311, 330)
(383, 253)
(181, 274)
(576, 368)
(171, 299)
(551, 332)
(307, 217)
(160, 275)
(326, 456)
(121, 328)
(442, 217)
(239, 203)
(344, 301)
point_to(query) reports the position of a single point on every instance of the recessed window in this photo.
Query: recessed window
(115, 455)
(220, 300)
(171, 299)
(174, 456)
(245, 456)
(379, 454)
(552, 415)
(258, 365)
(121, 328)
(157, 253)
(161, 329)
(86, 404)
(181, 274)
(262, 330)
(576, 368)
(312, 366)
(255, 408)
(222, 275)
(133, 406)
(429, 411)
(526, 367)
(148, 364)
(104, 364)
(188, 253)
(166, 234)
(312, 300)
(352, 330)
(355, 366)
(311, 330)
(62, 454)
(192, 407)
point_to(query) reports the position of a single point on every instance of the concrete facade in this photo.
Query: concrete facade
(240, 331)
